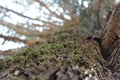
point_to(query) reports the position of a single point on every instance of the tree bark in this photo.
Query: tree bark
(110, 46)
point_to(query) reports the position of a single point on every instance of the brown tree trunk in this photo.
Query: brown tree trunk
(110, 46)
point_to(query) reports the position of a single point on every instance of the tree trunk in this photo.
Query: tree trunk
(110, 46)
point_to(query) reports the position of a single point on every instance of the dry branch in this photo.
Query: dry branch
(11, 38)
(27, 32)
(29, 42)
(22, 15)
(18, 13)
(51, 12)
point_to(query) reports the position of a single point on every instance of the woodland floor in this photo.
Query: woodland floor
(63, 57)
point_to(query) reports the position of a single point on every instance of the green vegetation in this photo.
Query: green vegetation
(64, 50)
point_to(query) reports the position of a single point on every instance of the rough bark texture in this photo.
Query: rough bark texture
(110, 47)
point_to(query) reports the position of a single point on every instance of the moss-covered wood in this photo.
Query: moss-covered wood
(40, 61)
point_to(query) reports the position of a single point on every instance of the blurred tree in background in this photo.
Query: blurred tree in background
(29, 21)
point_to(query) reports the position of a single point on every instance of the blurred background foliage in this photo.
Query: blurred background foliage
(40, 19)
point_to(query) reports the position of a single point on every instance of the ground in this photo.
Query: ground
(64, 57)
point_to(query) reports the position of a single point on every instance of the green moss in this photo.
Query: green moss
(65, 50)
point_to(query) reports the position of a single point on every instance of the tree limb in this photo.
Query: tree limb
(98, 15)
(21, 14)
(24, 31)
(29, 42)
(53, 13)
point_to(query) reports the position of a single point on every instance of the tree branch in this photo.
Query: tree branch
(26, 32)
(53, 13)
(98, 15)
(29, 42)
(20, 14)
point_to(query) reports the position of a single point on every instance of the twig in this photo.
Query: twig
(98, 15)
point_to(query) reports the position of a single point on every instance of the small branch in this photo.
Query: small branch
(14, 39)
(20, 14)
(27, 32)
(29, 42)
(98, 15)
(53, 13)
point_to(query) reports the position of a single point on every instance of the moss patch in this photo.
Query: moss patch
(64, 50)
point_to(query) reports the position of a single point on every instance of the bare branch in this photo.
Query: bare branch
(29, 42)
(98, 15)
(20, 14)
(14, 39)
(53, 13)
(24, 31)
